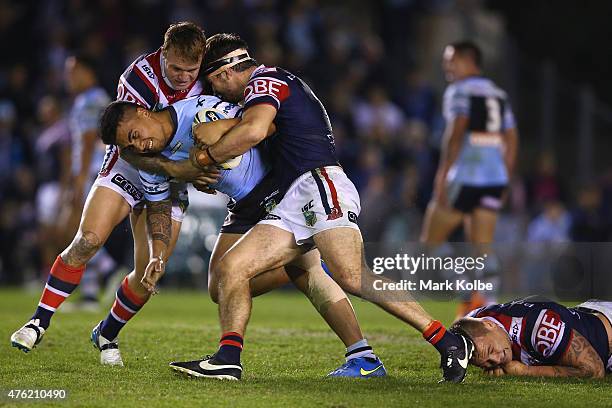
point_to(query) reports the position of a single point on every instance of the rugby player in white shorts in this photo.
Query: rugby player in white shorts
(320, 205)
(153, 81)
(251, 186)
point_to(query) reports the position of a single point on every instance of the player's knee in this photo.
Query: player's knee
(84, 246)
(349, 280)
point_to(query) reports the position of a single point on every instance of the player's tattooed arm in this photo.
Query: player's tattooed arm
(580, 360)
(159, 221)
(159, 228)
(181, 170)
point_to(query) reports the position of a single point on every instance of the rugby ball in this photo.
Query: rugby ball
(210, 115)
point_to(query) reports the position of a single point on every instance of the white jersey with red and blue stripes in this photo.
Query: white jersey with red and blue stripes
(144, 83)
(541, 330)
(304, 139)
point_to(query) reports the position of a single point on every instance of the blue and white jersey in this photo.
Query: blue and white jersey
(481, 160)
(84, 117)
(237, 182)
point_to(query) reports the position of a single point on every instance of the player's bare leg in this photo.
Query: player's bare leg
(479, 229)
(439, 222)
(326, 296)
(342, 251)
(238, 266)
(259, 285)
(308, 276)
(104, 209)
(131, 295)
(261, 249)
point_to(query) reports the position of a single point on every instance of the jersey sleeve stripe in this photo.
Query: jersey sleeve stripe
(273, 79)
(257, 99)
(138, 82)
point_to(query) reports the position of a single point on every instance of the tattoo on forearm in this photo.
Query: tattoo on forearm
(580, 359)
(150, 163)
(159, 221)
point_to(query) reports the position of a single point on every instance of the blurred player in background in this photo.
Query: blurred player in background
(86, 158)
(152, 81)
(477, 160)
(54, 170)
(536, 337)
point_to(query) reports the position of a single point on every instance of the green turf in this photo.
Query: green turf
(288, 351)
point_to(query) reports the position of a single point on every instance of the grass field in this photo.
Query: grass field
(288, 351)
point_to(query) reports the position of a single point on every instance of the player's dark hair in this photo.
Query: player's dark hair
(186, 38)
(86, 61)
(222, 44)
(470, 49)
(111, 118)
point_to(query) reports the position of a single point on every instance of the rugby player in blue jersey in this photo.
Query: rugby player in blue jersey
(478, 155)
(248, 181)
(536, 337)
(319, 207)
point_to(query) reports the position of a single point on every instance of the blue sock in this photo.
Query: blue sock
(230, 348)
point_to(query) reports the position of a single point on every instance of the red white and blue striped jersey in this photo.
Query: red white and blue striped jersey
(304, 140)
(541, 330)
(143, 82)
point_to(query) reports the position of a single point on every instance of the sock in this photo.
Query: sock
(359, 349)
(436, 334)
(126, 305)
(62, 280)
(230, 348)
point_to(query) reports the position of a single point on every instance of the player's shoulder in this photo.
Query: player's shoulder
(274, 73)
(139, 82)
(95, 96)
(477, 86)
(211, 104)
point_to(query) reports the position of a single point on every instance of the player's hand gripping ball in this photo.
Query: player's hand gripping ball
(210, 115)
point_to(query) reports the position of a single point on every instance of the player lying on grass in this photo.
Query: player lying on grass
(539, 338)
(247, 180)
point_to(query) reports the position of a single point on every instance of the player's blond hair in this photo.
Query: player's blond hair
(472, 328)
(187, 39)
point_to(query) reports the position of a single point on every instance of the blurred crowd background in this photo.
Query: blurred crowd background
(376, 67)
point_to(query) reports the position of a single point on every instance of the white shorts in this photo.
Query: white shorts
(123, 178)
(319, 200)
(604, 308)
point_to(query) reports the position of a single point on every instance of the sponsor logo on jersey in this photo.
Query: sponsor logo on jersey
(148, 71)
(352, 217)
(547, 332)
(309, 215)
(176, 148)
(271, 217)
(127, 186)
(515, 329)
